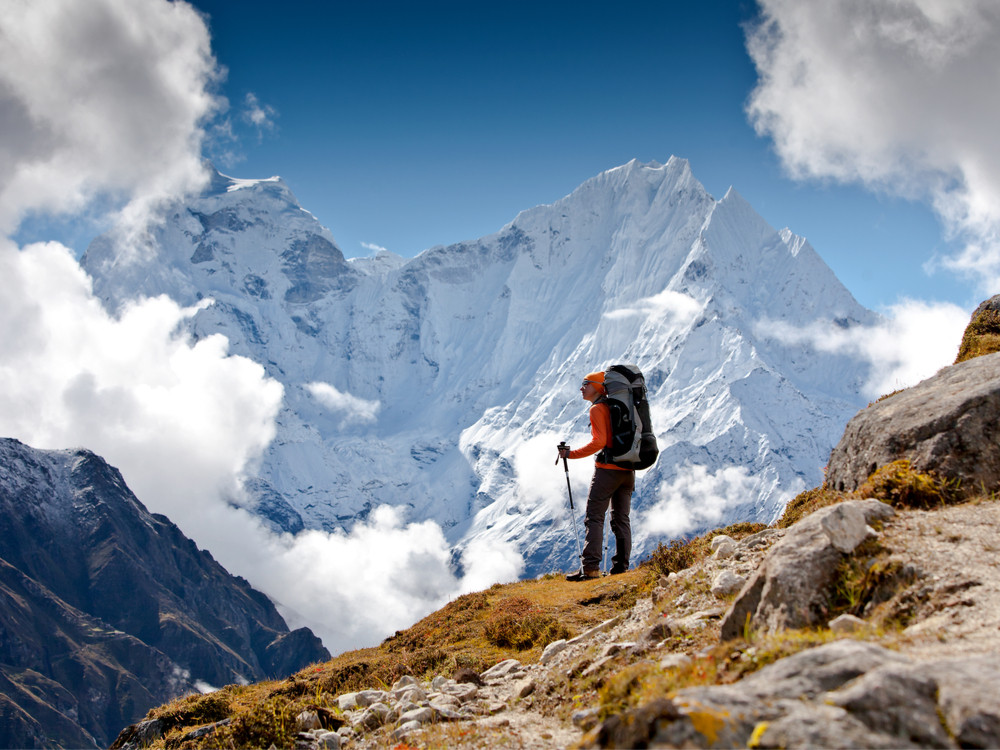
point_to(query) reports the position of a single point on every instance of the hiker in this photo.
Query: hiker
(611, 484)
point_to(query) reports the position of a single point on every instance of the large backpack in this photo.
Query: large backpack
(633, 444)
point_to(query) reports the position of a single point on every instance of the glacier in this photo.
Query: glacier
(442, 383)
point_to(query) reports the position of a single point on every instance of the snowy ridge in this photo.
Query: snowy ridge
(443, 382)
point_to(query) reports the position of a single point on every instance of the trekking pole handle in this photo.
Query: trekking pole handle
(561, 447)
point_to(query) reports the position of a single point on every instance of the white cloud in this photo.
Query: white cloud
(695, 499)
(182, 417)
(898, 95)
(915, 341)
(354, 409)
(542, 483)
(109, 98)
(260, 115)
(101, 98)
(373, 247)
(681, 309)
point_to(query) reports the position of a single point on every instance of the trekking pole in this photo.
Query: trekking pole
(572, 515)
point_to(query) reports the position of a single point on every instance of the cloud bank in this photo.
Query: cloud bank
(106, 105)
(915, 341)
(898, 95)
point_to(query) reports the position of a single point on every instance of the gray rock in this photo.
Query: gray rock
(727, 583)
(502, 669)
(789, 588)
(307, 720)
(551, 650)
(846, 624)
(370, 697)
(897, 701)
(719, 539)
(523, 688)
(404, 729)
(329, 741)
(949, 424)
(421, 715)
(725, 550)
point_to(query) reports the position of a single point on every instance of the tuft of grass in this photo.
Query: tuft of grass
(806, 502)
(679, 554)
(902, 486)
(982, 335)
(520, 624)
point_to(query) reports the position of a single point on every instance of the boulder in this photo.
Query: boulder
(789, 589)
(948, 424)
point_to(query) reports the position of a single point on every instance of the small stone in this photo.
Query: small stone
(371, 697)
(724, 550)
(552, 649)
(846, 624)
(464, 692)
(658, 632)
(404, 682)
(348, 702)
(663, 582)
(720, 539)
(405, 729)
(502, 669)
(675, 661)
(420, 715)
(727, 583)
(307, 720)
(466, 675)
(523, 688)
(329, 741)
(438, 682)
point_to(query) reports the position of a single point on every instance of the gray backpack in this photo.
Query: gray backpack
(633, 444)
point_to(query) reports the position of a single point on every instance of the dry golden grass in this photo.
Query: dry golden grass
(477, 630)
(982, 336)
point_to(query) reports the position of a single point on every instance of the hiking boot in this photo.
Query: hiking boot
(584, 574)
(616, 569)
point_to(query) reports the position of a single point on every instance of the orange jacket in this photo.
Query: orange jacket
(600, 436)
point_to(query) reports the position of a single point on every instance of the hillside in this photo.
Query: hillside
(658, 641)
(862, 618)
(107, 610)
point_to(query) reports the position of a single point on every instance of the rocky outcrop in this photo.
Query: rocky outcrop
(843, 694)
(107, 610)
(948, 424)
(982, 335)
(791, 588)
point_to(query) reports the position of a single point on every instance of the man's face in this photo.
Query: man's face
(589, 391)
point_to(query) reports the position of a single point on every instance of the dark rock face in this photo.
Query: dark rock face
(107, 610)
(948, 424)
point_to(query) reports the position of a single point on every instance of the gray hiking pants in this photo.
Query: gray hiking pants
(614, 487)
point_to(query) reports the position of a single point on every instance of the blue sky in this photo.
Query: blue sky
(407, 125)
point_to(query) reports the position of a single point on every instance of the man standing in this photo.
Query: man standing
(611, 484)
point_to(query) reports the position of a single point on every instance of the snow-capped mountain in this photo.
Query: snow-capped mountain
(443, 382)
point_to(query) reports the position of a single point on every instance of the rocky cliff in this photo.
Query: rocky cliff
(107, 610)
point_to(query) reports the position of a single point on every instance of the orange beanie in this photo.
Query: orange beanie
(597, 378)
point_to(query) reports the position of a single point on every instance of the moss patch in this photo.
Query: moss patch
(982, 335)
(902, 486)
